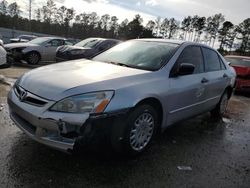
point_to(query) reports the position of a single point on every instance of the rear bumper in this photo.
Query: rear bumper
(242, 85)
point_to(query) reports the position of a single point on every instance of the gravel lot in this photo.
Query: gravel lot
(218, 153)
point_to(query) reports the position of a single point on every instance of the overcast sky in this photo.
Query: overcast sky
(234, 10)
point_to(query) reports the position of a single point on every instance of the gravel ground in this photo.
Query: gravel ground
(218, 153)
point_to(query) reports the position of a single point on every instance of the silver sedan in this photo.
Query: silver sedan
(125, 94)
(34, 51)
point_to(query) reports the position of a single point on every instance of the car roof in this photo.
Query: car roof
(179, 42)
(161, 40)
(27, 36)
(238, 56)
(53, 38)
(102, 39)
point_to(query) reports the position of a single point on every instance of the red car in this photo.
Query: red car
(241, 64)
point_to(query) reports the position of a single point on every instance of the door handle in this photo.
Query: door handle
(225, 75)
(204, 80)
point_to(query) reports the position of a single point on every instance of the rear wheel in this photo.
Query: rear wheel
(33, 58)
(221, 107)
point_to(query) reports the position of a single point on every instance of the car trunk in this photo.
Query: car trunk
(242, 71)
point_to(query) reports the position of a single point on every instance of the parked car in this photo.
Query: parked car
(23, 38)
(34, 51)
(241, 64)
(1, 43)
(126, 93)
(3, 57)
(87, 48)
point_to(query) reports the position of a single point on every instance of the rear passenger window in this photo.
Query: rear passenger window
(211, 59)
(192, 55)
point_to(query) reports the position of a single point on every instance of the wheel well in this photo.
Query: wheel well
(229, 90)
(33, 52)
(155, 103)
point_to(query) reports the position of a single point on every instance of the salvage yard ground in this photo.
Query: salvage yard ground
(199, 152)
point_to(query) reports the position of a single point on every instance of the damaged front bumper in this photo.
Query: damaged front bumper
(62, 131)
(15, 55)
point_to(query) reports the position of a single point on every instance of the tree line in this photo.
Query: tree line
(63, 21)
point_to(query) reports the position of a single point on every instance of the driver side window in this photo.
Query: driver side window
(56, 43)
(191, 55)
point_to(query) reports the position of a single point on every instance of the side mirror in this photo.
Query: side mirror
(185, 69)
(229, 63)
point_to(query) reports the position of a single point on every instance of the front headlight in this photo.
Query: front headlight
(85, 103)
(77, 52)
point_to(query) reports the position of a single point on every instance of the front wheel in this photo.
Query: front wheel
(140, 128)
(221, 107)
(33, 58)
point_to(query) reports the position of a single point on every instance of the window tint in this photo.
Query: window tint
(105, 45)
(192, 55)
(56, 43)
(68, 43)
(211, 59)
(89, 43)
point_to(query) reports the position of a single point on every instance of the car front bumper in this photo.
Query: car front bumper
(61, 131)
(14, 55)
(49, 128)
(59, 59)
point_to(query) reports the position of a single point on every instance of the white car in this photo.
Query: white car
(3, 56)
(1, 42)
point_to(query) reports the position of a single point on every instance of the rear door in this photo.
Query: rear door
(217, 77)
(187, 91)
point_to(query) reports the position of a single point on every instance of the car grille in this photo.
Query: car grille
(27, 97)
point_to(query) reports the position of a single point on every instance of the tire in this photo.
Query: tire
(33, 58)
(140, 128)
(221, 107)
(8, 64)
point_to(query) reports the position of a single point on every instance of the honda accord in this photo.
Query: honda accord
(126, 94)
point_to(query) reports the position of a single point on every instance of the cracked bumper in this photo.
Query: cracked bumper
(61, 131)
(49, 128)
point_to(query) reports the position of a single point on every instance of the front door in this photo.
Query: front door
(49, 49)
(187, 92)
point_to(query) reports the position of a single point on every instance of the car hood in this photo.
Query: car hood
(69, 48)
(241, 70)
(57, 81)
(19, 45)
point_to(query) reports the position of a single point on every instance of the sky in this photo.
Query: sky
(234, 10)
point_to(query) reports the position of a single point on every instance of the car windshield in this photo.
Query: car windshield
(38, 40)
(88, 43)
(238, 61)
(145, 55)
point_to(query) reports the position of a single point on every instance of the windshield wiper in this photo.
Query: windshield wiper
(128, 65)
(120, 64)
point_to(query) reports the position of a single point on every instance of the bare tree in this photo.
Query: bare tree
(4, 7)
